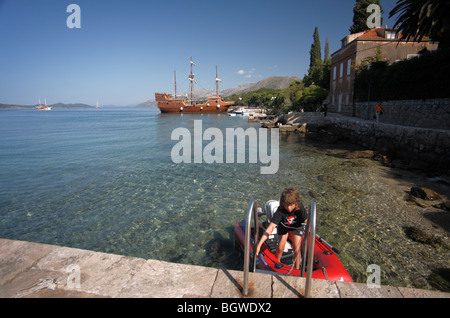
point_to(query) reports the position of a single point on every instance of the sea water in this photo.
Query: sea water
(104, 180)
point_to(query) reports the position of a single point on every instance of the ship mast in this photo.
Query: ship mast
(217, 83)
(192, 80)
(175, 82)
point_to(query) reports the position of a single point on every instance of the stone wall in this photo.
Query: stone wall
(431, 113)
(420, 148)
(301, 117)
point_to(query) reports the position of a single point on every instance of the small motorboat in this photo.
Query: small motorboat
(326, 264)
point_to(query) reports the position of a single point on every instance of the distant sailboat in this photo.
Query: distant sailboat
(97, 106)
(43, 107)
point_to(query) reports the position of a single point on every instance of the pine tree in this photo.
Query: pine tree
(315, 53)
(327, 51)
(360, 15)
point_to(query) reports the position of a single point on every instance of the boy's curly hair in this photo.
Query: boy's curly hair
(290, 196)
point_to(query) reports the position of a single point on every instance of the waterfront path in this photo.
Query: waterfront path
(39, 270)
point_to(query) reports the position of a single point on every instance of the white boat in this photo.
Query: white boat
(239, 111)
(43, 107)
(243, 111)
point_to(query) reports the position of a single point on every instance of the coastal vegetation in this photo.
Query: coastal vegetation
(424, 77)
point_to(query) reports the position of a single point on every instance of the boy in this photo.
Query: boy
(289, 216)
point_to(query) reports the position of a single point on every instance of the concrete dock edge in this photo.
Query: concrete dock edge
(34, 270)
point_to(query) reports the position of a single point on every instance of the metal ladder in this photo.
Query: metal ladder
(309, 248)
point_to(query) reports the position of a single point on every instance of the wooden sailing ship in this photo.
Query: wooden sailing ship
(171, 104)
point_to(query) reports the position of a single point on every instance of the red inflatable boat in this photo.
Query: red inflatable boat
(326, 263)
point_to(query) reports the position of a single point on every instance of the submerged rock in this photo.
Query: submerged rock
(420, 236)
(360, 154)
(424, 193)
(443, 206)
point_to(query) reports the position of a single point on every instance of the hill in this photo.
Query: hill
(57, 105)
(148, 103)
(77, 105)
(272, 82)
(5, 106)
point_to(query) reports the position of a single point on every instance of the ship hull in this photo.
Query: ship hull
(167, 104)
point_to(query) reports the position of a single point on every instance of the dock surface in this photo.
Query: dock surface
(34, 270)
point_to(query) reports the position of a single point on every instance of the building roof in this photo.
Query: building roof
(375, 34)
(372, 34)
(381, 34)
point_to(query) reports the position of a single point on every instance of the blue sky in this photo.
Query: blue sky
(125, 51)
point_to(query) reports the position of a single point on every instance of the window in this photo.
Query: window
(341, 71)
(349, 67)
(334, 73)
(411, 56)
(390, 35)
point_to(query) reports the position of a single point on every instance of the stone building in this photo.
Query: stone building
(381, 42)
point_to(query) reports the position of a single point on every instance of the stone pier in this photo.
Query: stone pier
(33, 270)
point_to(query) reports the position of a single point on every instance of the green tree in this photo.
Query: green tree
(360, 15)
(371, 59)
(419, 18)
(319, 75)
(327, 51)
(318, 72)
(315, 52)
(312, 97)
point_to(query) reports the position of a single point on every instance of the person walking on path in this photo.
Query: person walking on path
(325, 109)
(378, 111)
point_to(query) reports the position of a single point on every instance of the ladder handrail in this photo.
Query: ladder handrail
(310, 252)
(252, 207)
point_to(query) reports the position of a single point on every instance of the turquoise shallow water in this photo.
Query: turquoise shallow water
(104, 180)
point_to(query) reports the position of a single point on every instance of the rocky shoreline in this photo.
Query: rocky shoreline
(401, 146)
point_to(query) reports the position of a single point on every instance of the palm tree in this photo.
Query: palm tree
(419, 18)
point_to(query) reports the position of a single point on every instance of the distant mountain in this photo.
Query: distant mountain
(14, 106)
(57, 105)
(149, 103)
(77, 105)
(274, 82)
